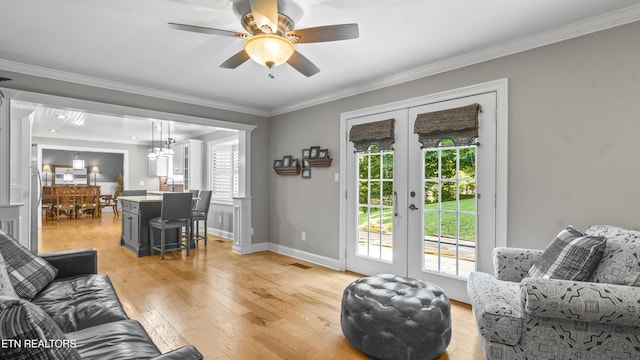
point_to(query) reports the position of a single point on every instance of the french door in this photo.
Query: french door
(424, 212)
(376, 203)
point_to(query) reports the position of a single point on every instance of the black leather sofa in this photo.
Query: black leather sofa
(86, 307)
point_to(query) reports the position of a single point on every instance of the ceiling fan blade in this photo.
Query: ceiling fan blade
(303, 65)
(265, 12)
(207, 30)
(325, 33)
(236, 60)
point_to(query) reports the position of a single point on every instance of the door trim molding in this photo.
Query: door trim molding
(500, 87)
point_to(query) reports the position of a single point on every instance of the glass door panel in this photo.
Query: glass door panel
(444, 233)
(377, 238)
(449, 210)
(375, 201)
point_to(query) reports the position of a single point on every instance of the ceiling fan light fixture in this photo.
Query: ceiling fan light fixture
(268, 49)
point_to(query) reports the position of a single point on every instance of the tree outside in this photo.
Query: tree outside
(375, 190)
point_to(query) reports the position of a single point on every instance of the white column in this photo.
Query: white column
(5, 151)
(242, 230)
(244, 153)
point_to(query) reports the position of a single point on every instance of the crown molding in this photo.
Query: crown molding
(125, 87)
(577, 29)
(588, 26)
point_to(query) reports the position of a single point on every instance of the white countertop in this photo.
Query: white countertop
(158, 192)
(144, 198)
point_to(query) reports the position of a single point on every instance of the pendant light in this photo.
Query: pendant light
(170, 141)
(152, 152)
(161, 153)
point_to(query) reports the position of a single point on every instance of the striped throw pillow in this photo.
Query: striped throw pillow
(6, 288)
(29, 273)
(27, 332)
(571, 256)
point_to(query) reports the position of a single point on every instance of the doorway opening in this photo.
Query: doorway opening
(26, 171)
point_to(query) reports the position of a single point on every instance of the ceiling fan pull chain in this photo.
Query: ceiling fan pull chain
(270, 66)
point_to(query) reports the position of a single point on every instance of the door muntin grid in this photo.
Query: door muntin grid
(450, 209)
(375, 204)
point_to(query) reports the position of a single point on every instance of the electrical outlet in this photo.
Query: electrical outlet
(141, 182)
(220, 219)
(304, 236)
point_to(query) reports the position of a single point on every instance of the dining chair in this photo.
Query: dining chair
(111, 201)
(78, 192)
(90, 200)
(174, 214)
(48, 202)
(65, 200)
(201, 213)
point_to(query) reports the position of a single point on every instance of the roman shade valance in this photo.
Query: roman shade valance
(458, 124)
(380, 133)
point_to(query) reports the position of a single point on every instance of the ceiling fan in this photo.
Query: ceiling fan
(272, 36)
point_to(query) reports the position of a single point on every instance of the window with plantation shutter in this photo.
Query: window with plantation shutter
(223, 170)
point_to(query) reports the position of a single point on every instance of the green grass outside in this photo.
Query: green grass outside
(467, 222)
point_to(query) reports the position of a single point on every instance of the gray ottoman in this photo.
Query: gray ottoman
(393, 317)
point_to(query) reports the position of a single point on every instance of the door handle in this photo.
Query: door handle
(395, 204)
(413, 207)
(40, 187)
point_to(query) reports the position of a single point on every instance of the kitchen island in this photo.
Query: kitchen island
(136, 213)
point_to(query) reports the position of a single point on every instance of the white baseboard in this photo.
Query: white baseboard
(221, 233)
(259, 247)
(303, 255)
(288, 251)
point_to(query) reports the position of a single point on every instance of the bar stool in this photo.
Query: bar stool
(196, 197)
(201, 213)
(175, 213)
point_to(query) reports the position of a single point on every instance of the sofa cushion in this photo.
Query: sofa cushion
(28, 273)
(6, 289)
(29, 333)
(571, 256)
(497, 308)
(620, 263)
(125, 339)
(79, 302)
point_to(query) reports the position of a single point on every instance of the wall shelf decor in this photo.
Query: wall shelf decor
(286, 166)
(315, 156)
(287, 171)
(320, 162)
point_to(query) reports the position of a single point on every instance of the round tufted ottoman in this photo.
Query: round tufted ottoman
(393, 317)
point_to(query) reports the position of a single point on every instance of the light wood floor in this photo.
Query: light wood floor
(256, 306)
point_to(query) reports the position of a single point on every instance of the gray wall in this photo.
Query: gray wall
(109, 164)
(221, 218)
(309, 205)
(572, 125)
(138, 167)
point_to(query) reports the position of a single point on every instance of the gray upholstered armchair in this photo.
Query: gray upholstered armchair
(519, 317)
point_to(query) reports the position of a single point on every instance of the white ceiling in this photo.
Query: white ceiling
(70, 124)
(127, 45)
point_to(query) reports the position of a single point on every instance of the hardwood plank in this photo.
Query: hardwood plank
(232, 306)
